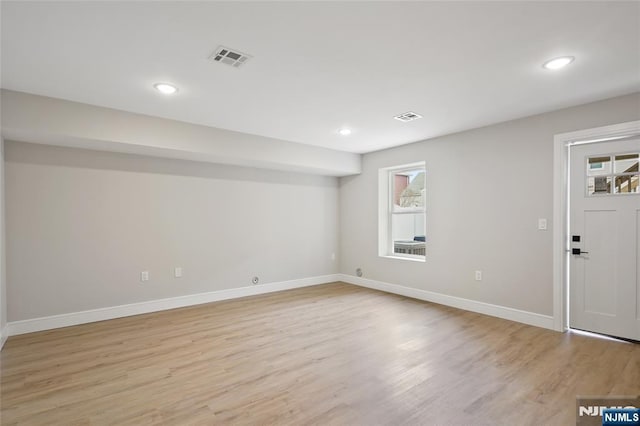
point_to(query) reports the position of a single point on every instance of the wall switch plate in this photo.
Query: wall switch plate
(333, 256)
(478, 275)
(144, 276)
(177, 272)
(542, 224)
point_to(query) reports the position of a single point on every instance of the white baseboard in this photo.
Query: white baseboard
(531, 318)
(75, 318)
(4, 334)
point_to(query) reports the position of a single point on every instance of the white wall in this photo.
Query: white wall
(43, 120)
(3, 281)
(82, 225)
(486, 189)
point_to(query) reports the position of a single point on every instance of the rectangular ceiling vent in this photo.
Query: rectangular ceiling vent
(407, 116)
(230, 57)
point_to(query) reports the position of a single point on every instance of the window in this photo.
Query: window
(402, 212)
(622, 178)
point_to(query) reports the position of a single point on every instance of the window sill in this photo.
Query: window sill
(411, 259)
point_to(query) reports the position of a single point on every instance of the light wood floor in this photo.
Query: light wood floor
(329, 354)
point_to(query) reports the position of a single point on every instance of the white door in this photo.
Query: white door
(604, 230)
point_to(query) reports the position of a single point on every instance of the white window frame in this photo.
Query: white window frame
(386, 211)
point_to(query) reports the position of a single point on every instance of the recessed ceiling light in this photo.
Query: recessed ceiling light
(557, 63)
(166, 88)
(344, 132)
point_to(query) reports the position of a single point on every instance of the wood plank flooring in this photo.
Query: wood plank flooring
(328, 354)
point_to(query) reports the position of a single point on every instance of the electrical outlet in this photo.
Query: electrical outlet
(478, 275)
(177, 272)
(144, 276)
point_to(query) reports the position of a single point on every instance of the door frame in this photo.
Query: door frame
(561, 244)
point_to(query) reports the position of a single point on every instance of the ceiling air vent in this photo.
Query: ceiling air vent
(230, 57)
(407, 116)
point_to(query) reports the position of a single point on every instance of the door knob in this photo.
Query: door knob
(578, 252)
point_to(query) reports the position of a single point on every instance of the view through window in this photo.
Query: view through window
(407, 212)
(613, 174)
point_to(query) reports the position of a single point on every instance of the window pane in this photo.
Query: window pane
(597, 166)
(599, 185)
(408, 233)
(627, 163)
(408, 190)
(626, 184)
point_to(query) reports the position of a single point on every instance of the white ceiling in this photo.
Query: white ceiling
(320, 66)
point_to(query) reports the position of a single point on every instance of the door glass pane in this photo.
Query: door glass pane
(597, 166)
(599, 185)
(627, 163)
(626, 184)
(408, 190)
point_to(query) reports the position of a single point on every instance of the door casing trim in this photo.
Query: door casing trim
(561, 144)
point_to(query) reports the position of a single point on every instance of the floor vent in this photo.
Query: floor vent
(230, 57)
